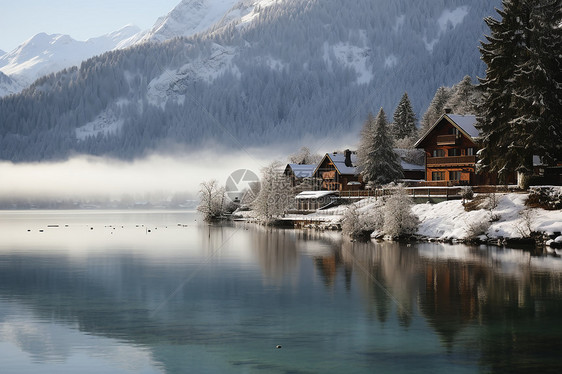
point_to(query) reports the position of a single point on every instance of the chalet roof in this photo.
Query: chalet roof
(338, 159)
(302, 170)
(465, 124)
(411, 167)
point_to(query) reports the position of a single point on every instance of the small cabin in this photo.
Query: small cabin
(298, 173)
(313, 200)
(339, 172)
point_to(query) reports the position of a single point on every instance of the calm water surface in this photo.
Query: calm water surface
(159, 292)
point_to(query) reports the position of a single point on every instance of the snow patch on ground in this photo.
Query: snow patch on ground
(448, 20)
(390, 61)
(169, 85)
(449, 220)
(399, 23)
(105, 123)
(353, 57)
(255, 10)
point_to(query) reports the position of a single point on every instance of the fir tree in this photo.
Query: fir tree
(464, 97)
(377, 159)
(436, 109)
(521, 99)
(404, 124)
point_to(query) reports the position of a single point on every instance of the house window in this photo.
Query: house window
(438, 153)
(454, 152)
(470, 151)
(454, 130)
(438, 175)
(455, 175)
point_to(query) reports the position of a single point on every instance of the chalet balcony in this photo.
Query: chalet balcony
(450, 161)
(451, 139)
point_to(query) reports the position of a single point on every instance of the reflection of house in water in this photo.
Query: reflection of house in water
(450, 298)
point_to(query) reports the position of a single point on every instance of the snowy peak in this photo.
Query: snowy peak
(188, 18)
(191, 17)
(47, 53)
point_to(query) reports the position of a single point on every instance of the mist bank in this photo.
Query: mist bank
(170, 181)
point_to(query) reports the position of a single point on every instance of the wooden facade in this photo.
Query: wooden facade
(450, 151)
(338, 172)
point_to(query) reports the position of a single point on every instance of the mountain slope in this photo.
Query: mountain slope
(266, 73)
(44, 54)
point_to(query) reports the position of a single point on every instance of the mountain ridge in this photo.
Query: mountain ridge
(268, 72)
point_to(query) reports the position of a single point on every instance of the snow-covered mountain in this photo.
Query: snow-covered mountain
(248, 72)
(188, 18)
(45, 54)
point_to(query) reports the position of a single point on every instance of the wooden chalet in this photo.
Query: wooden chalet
(297, 173)
(450, 147)
(339, 172)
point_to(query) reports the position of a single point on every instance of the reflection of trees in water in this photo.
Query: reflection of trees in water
(387, 275)
(521, 318)
(276, 252)
(515, 316)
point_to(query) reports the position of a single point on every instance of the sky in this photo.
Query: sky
(81, 19)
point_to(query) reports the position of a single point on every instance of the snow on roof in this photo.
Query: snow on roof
(339, 162)
(466, 123)
(314, 194)
(302, 170)
(407, 166)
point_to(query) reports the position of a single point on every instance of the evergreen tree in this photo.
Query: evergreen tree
(404, 124)
(378, 161)
(522, 99)
(436, 108)
(464, 97)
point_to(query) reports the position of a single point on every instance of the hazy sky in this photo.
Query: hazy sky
(81, 19)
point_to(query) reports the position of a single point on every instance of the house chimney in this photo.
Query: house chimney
(448, 110)
(347, 154)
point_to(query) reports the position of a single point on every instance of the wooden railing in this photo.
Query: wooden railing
(429, 191)
(451, 160)
(447, 139)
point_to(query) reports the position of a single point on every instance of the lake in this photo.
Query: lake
(162, 292)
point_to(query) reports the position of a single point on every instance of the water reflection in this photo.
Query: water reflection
(218, 298)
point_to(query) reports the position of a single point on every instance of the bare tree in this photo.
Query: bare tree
(212, 200)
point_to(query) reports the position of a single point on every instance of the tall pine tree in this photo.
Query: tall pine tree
(522, 98)
(404, 124)
(435, 110)
(378, 161)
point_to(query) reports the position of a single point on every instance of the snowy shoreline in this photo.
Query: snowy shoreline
(509, 221)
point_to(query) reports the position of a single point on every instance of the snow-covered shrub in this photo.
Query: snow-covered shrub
(374, 219)
(466, 193)
(492, 202)
(546, 197)
(398, 216)
(525, 223)
(352, 225)
(477, 228)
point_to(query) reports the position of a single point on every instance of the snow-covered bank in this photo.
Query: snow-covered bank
(509, 219)
(506, 217)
